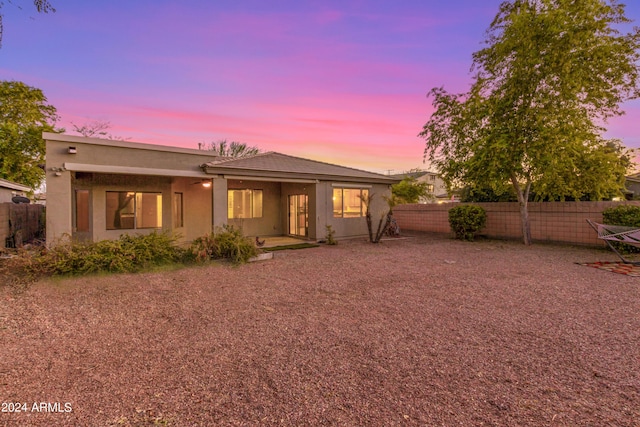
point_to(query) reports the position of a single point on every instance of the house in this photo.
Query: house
(435, 186)
(99, 189)
(9, 189)
(632, 186)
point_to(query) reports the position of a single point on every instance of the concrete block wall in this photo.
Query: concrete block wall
(563, 222)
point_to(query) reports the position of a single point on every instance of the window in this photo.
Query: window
(178, 217)
(347, 202)
(244, 204)
(430, 188)
(127, 210)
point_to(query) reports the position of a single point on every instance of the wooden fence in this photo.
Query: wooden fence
(20, 223)
(550, 221)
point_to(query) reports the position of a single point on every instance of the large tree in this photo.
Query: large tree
(24, 115)
(42, 6)
(551, 74)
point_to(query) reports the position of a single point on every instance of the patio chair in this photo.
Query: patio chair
(618, 234)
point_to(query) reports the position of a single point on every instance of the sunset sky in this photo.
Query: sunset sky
(338, 81)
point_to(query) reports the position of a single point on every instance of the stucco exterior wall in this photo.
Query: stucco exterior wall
(62, 183)
(126, 154)
(59, 213)
(350, 227)
(6, 194)
(197, 208)
(270, 223)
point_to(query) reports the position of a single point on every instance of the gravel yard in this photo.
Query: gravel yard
(422, 331)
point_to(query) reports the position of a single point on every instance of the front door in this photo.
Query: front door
(299, 215)
(82, 216)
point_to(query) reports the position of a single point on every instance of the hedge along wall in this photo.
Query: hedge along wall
(20, 221)
(550, 221)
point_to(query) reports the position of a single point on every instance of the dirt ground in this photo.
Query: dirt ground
(423, 331)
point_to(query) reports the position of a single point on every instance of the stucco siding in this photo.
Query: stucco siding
(6, 194)
(269, 224)
(99, 166)
(354, 227)
(61, 186)
(196, 208)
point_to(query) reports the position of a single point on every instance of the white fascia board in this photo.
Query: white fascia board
(13, 185)
(255, 178)
(128, 170)
(350, 185)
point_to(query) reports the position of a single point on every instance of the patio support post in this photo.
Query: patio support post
(219, 197)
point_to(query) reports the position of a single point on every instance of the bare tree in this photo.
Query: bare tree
(232, 149)
(96, 129)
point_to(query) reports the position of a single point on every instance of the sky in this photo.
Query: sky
(342, 81)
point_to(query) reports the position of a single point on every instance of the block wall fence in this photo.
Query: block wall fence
(562, 222)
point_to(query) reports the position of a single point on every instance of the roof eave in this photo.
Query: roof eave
(275, 175)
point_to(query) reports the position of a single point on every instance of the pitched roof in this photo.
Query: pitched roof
(277, 165)
(414, 174)
(13, 185)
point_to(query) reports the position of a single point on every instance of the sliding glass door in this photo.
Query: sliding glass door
(299, 215)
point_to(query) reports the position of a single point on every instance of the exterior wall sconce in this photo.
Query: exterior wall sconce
(57, 171)
(72, 150)
(206, 183)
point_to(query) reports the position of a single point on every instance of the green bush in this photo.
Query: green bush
(467, 220)
(226, 242)
(125, 255)
(627, 215)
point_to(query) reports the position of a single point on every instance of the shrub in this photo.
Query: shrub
(125, 255)
(226, 242)
(466, 221)
(627, 215)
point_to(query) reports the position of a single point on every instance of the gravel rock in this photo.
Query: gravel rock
(422, 331)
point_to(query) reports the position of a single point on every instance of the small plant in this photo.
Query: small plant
(467, 220)
(626, 215)
(226, 242)
(330, 239)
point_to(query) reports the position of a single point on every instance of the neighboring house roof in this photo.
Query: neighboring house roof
(415, 175)
(13, 185)
(277, 165)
